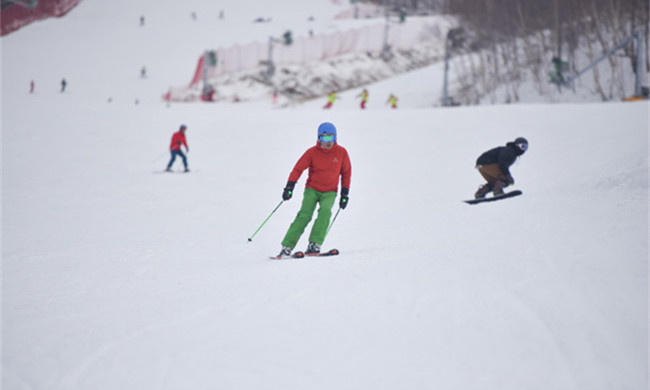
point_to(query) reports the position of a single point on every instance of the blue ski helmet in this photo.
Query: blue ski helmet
(326, 128)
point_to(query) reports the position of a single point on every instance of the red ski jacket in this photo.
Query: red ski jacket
(178, 139)
(325, 167)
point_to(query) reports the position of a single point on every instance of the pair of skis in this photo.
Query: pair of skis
(300, 255)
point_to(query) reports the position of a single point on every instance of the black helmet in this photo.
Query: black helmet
(521, 143)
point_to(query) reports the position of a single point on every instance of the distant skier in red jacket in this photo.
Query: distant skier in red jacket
(178, 139)
(327, 161)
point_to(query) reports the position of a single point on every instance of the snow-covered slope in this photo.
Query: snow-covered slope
(118, 277)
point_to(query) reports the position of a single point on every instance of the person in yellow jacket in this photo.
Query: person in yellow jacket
(364, 98)
(392, 99)
(330, 100)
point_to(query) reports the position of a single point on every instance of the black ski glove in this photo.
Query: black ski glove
(509, 179)
(288, 190)
(345, 199)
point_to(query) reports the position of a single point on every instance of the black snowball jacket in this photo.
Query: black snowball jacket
(505, 156)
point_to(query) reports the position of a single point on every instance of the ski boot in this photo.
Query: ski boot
(312, 249)
(498, 188)
(482, 191)
(286, 251)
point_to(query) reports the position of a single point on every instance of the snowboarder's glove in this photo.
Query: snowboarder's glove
(288, 190)
(345, 199)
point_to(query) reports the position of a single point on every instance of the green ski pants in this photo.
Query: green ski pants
(318, 231)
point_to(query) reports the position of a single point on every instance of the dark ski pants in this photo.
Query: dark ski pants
(319, 230)
(174, 154)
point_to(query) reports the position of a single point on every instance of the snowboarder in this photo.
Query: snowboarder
(364, 98)
(326, 162)
(494, 166)
(330, 100)
(178, 139)
(63, 85)
(392, 99)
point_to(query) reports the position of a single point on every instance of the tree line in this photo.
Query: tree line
(515, 39)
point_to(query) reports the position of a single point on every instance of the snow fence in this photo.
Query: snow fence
(306, 50)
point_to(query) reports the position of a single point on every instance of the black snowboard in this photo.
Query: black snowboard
(493, 198)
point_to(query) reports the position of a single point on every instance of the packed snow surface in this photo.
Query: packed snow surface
(118, 276)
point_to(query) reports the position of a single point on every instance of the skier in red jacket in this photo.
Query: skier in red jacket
(178, 139)
(327, 161)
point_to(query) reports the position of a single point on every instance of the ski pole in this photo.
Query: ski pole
(267, 218)
(332, 223)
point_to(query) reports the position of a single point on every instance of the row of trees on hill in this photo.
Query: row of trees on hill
(516, 39)
(568, 21)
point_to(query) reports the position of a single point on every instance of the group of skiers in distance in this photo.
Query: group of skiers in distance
(32, 86)
(364, 95)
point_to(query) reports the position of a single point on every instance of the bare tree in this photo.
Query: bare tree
(512, 35)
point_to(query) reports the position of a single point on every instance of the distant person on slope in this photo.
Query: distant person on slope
(63, 85)
(392, 99)
(178, 139)
(364, 98)
(327, 161)
(330, 100)
(494, 166)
